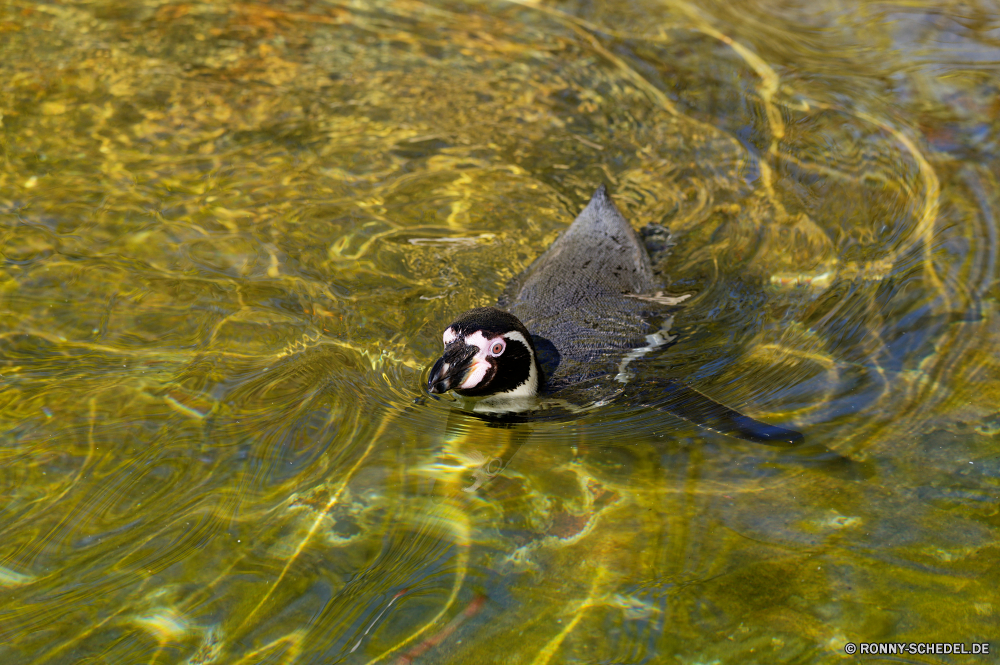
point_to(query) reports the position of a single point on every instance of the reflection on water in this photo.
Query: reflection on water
(232, 233)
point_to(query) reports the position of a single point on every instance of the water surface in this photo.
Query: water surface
(233, 233)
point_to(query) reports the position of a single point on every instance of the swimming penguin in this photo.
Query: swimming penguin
(577, 316)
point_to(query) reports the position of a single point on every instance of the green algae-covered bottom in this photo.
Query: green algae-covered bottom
(232, 234)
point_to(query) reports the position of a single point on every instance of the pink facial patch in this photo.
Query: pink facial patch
(450, 336)
(480, 365)
(479, 370)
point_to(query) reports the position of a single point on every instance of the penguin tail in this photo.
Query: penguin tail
(685, 402)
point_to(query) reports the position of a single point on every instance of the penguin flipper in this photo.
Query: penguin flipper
(685, 402)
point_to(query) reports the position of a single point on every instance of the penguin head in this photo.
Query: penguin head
(487, 353)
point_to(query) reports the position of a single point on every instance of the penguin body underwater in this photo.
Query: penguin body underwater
(580, 313)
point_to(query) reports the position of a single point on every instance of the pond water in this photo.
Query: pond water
(232, 235)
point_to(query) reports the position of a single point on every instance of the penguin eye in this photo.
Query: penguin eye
(497, 348)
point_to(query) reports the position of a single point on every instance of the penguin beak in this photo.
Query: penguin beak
(451, 369)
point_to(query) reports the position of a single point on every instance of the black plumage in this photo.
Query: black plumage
(586, 308)
(579, 296)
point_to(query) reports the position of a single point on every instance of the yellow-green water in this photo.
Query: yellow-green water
(231, 237)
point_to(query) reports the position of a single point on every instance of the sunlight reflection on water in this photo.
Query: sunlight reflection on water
(231, 237)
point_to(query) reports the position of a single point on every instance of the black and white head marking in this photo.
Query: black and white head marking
(487, 353)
